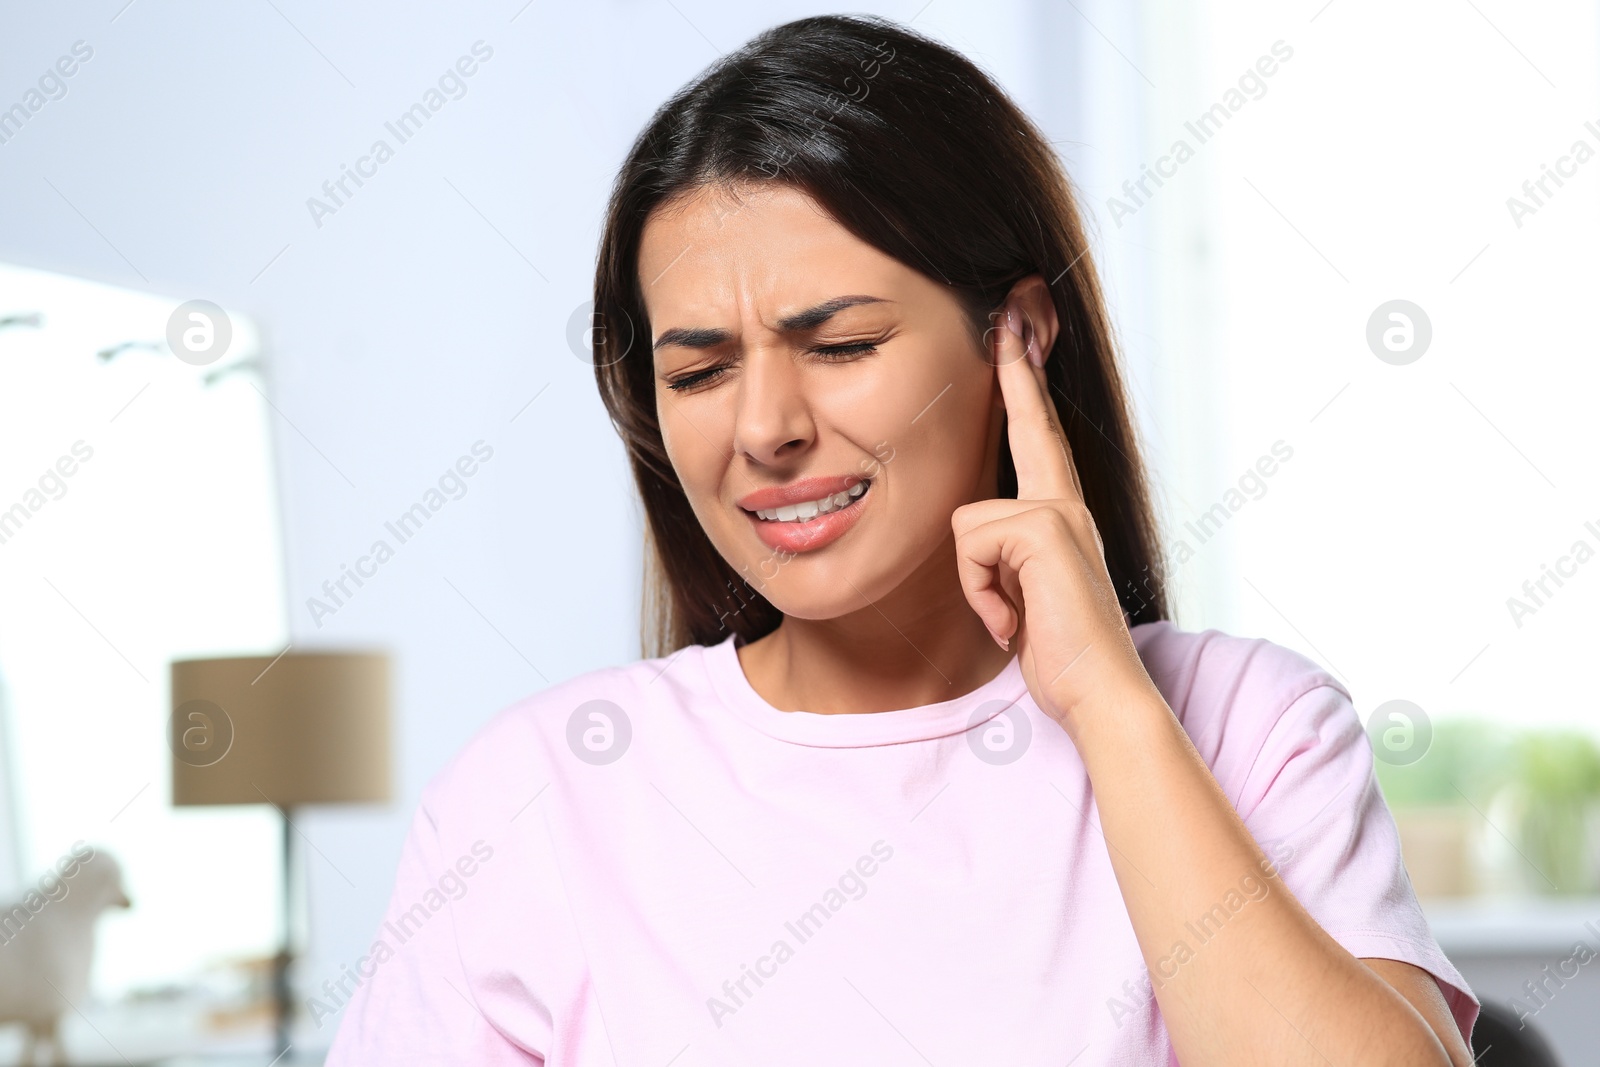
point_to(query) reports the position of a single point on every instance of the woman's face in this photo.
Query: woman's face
(825, 406)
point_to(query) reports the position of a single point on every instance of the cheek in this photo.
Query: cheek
(939, 462)
(926, 418)
(910, 388)
(696, 446)
(689, 443)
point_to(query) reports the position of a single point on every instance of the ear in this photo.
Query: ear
(1031, 296)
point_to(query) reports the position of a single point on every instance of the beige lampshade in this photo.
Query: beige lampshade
(302, 728)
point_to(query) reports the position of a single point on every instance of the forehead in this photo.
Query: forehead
(715, 253)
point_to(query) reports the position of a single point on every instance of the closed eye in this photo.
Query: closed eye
(830, 353)
(856, 348)
(689, 381)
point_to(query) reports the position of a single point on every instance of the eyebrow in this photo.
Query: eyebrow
(809, 319)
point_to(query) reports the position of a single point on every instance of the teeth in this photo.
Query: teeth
(810, 509)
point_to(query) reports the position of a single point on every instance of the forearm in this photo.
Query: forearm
(1242, 972)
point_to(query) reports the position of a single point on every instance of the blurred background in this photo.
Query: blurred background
(1349, 248)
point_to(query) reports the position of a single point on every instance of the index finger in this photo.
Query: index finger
(1039, 448)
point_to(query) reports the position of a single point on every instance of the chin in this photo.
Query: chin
(820, 601)
(841, 579)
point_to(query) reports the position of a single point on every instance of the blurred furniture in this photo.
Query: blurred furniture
(1499, 1040)
(1437, 843)
(300, 729)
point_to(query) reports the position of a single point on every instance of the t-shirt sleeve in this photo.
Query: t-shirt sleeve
(414, 1004)
(1312, 801)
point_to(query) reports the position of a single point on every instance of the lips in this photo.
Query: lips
(806, 535)
(798, 492)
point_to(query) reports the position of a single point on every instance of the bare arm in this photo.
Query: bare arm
(1268, 985)
(1260, 982)
(1422, 991)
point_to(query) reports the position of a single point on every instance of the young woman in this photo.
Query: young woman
(921, 772)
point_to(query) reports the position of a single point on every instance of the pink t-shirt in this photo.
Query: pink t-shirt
(652, 865)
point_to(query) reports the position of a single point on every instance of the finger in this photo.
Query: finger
(1055, 414)
(1055, 421)
(1038, 446)
(1078, 522)
(982, 583)
(1055, 417)
(971, 516)
(991, 557)
(986, 593)
(988, 599)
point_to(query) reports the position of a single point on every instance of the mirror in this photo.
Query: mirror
(138, 524)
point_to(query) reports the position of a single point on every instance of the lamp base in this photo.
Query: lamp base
(282, 994)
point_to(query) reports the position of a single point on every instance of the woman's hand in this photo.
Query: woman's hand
(1034, 568)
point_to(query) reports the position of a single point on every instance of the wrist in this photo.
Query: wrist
(1131, 713)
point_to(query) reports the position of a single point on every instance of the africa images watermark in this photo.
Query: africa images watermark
(1204, 929)
(1400, 732)
(1252, 485)
(1252, 85)
(404, 527)
(855, 88)
(1566, 566)
(51, 85)
(451, 885)
(51, 888)
(51, 485)
(869, 68)
(851, 885)
(1539, 993)
(336, 192)
(1536, 192)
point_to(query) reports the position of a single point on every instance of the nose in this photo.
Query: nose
(774, 421)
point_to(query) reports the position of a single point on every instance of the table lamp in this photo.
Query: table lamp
(299, 729)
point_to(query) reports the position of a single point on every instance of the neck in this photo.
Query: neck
(921, 644)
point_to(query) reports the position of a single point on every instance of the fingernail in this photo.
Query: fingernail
(1035, 353)
(1011, 321)
(1003, 642)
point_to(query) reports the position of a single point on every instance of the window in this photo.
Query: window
(1340, 157)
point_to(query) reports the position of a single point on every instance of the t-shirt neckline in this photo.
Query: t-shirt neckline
(864, 729)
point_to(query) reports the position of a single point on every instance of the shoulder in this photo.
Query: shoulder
(526, 744)
(1241, 697)
(1209, 675)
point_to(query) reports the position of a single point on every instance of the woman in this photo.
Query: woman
(921, 771)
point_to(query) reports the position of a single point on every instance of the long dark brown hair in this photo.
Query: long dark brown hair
(917, 152)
